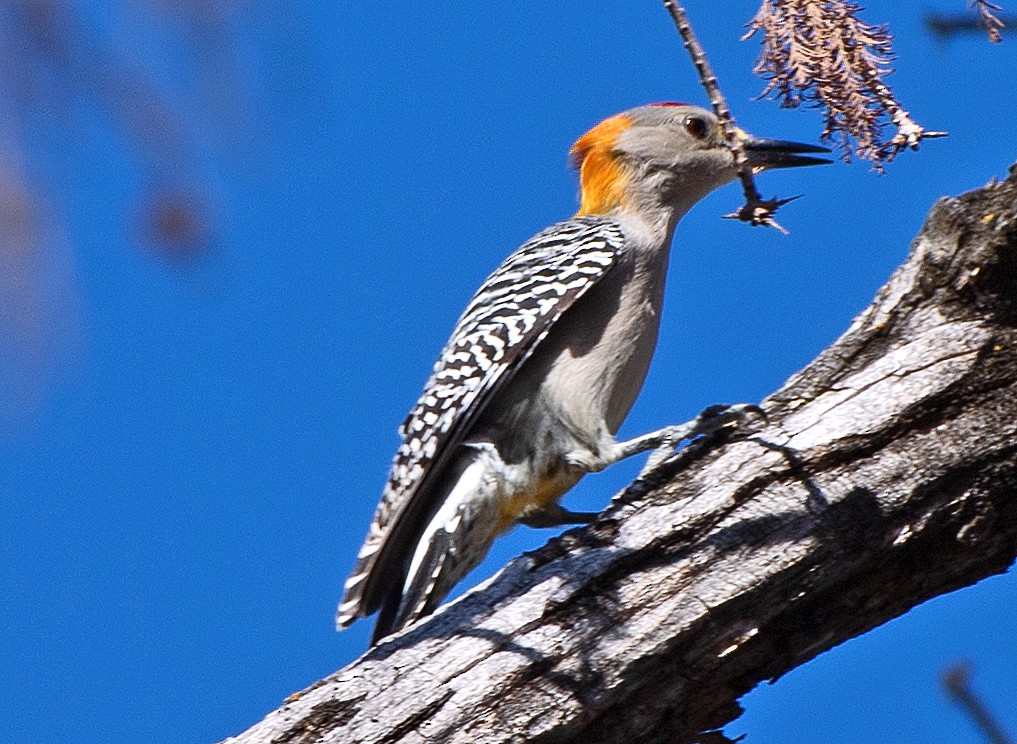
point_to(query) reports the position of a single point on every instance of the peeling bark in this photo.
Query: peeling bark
(885, 475)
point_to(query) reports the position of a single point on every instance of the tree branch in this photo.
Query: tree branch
(887, 475)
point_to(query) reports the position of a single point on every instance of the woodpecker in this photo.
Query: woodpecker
(545, 363)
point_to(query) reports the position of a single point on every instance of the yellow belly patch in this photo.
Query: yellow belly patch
(517, 505)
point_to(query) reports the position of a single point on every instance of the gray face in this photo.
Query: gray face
(667, 136)
(678, 151)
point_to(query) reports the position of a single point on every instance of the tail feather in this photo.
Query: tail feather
(423, 590)
(381, 567)
(453, 543)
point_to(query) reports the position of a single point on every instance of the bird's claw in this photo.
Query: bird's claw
(710, 420)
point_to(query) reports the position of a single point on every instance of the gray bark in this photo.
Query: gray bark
(885, 475)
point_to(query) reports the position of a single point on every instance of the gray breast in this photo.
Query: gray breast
(579, 385)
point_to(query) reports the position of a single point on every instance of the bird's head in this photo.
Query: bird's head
(667, 156)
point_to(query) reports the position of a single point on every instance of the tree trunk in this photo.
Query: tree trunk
(885, 475)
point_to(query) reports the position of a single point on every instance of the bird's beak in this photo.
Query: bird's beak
(765, 153)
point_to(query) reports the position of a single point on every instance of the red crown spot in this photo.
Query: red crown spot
(669, 103)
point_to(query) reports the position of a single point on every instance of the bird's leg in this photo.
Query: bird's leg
(556, 515)
(663, 441)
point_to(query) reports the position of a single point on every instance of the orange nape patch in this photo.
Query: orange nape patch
(601, 177)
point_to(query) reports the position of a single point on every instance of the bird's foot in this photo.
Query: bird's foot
(556, 515)
(711, 420)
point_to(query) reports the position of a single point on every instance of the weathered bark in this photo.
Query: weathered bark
(886, 475)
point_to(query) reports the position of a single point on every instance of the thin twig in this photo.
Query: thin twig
(756, 210)
(909, 132)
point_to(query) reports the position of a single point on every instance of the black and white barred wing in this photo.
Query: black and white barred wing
(503, 324)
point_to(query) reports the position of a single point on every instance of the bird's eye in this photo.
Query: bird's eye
(696, 127)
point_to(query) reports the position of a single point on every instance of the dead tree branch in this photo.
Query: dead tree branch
(887, 475)
(821, 53)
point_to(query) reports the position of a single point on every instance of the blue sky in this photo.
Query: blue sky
(192, 450)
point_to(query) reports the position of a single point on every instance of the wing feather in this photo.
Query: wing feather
(511, 313)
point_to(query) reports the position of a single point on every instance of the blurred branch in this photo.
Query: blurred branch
(56, 60)
(988, 21)
(957, 682)
(61, 67)
(886, 475)
(821, 53)
(40, 328)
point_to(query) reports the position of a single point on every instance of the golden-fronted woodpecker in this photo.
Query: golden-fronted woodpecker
(545, 363)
